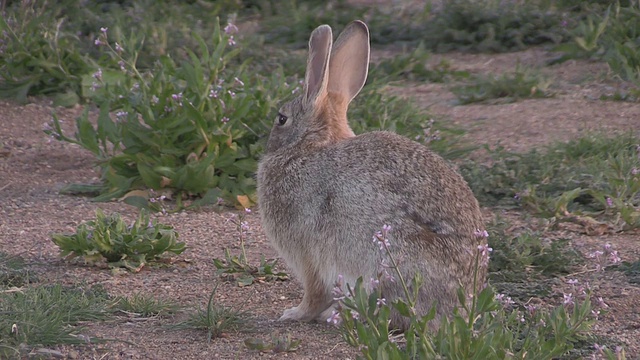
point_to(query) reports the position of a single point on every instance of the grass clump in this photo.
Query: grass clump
(216, 319)
(110, 238)
(591, 178)
(12, 271)
(48, 315)
(522, 83)
(143, 305)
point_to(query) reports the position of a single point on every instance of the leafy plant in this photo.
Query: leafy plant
(589, 178)
(190, 128)
(611, 36)
(238, 267)
(518, 257)
(48, 47)
(38, 56)
(121, 245)
(491, 26)
(144, 305)
(48, 315)
(523, 83)
(304, 16)
(277, 344)
(486, 325)
(216, 319)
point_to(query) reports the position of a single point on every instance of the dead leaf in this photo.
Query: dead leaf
(165, 181)
(244, 201)
(140, 193)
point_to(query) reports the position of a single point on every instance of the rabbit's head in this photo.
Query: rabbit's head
(335, 75)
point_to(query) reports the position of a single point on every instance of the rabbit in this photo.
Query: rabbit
(323, 192)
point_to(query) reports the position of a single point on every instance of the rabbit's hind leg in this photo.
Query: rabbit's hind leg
(317, 298)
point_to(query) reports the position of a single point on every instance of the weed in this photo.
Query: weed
(523, 83)
(292, 23)
(413, 66)
(238, 268)
(216, 319)
(277, 344)
(492, 26)
(610, 35)
(188, 128)
(375, 109)
(519, 257)
(48, 315)
(631, 271)
(590, 177)
(12, 271)
(143, 305)
(486, 325)
(111, 239)
(38, 57)
(48, 47)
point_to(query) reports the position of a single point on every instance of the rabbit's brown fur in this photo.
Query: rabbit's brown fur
(323, 193)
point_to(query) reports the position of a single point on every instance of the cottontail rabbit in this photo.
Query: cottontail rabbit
(324, 192)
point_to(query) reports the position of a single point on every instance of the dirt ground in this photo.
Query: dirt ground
(33, 168)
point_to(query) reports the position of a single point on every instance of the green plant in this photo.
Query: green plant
(589, 178)
(292, 23)
(631, 271)
(12, 271)
(375, 109)
(491, 26)
(38, 56)
(190, 128)
(611, 36)
(238, 267)
(48, 315)
(277, 344)
(522, 83)
(485, 325)
(143, 305)
(520, 257)
(216, 319)
(412, 66)
(121, 245)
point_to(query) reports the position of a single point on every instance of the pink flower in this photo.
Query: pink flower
(568, 299)
(335, 318)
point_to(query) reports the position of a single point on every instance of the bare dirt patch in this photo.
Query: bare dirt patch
(33, 168)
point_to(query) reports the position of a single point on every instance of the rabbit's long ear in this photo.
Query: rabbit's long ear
(315, 82)
(349, 62)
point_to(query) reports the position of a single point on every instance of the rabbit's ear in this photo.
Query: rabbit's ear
(349, 61)
(315, 82)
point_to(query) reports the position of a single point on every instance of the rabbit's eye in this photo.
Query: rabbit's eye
(282, 119)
